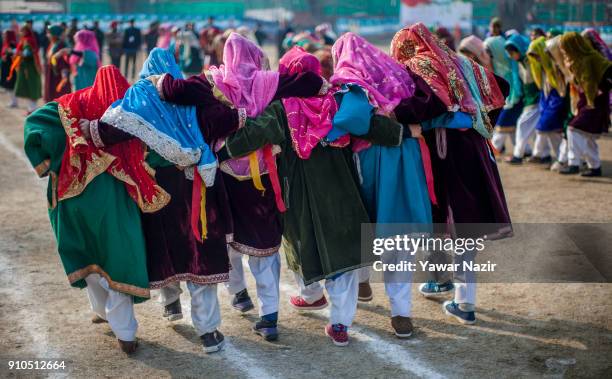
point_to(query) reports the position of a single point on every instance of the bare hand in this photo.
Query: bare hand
(415, 130)
(154, 79)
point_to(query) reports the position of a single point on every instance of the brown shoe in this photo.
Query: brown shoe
(402, 326)
(128, 347)
(365, 292)
(97, 320)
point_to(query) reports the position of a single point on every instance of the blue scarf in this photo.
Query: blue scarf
(170, 130)
(481, 121)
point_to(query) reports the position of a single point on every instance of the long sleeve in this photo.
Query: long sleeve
(306, 84)
(215, 118)
(104, 134)
(423, 105)
(258, 132)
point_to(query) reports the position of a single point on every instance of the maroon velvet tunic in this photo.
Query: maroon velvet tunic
(53, 76)
(256, 222)
(173, 253)
(595, 120)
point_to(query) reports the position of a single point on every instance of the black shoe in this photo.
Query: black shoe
(569, 170)
(514, 160)
(173, 312)
(591, 172)
(212, 342)
(267, 329)
(242, 301)
(538, 160)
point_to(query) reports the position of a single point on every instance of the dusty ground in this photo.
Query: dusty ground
(524, 330)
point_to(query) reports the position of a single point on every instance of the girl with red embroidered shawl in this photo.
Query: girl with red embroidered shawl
(243, 83)
(94, 198)
(466, 181)
(321, 225)
(27, 68)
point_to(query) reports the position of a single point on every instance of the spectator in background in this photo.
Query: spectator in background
(495, 27)
(284, 28)
(43, 39)
(190, 27)
(151, 36)
(99, 36)
(72, 30)
(115, 44)
(132, 40)
(446, 37)
(537, 33)
(260, 35)
(9, 44)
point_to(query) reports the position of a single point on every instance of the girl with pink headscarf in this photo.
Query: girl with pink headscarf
(252, 184)
(396, 182)
(321, 226)
(84, 59)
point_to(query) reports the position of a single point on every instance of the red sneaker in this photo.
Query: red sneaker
(338, 333)
(299, 303)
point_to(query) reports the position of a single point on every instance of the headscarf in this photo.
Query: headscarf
(424, 54)
(55, 30)
(85, 40)
(445, 36)
(9, 42)
(476, 47)
(242, 78)
(506, 68)
(171, 130)
(356, 61)
(598, 43)
(188, 40)
(83, 161)
(165, 35)
(519, 42)
(542, 68)
(553, 32)
(562, 73)
(585, 63)
(27, 39)
(309, 119)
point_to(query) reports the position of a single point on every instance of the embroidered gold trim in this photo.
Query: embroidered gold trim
(252, 251)
(120, 287)
(42, 169)
(188, 277)
(95, 133)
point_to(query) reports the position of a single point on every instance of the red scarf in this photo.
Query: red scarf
(9, 41)
(83, 161)
(27, 39)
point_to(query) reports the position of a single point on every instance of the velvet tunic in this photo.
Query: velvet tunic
(256, 224)
(173, 253)
(595, 120)
(321, 227)
(98, 231)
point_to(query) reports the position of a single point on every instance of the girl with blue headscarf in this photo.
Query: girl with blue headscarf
(517, 46)
(508, 69)
(174, 254)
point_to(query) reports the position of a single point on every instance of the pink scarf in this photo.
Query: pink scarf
(359, 62)
(242, 77)
(85, 40)
(476, 46)
(427, 56)
(310, 119)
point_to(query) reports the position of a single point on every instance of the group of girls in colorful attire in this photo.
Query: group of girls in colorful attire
(24, 64)
(191, 175)
(559, 84)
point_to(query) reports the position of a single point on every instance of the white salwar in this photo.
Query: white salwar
(546, 142)
(500, 137)
(525, 127)
(342, 293)
(583, 146)
(205, 312)
(265, 270)
(115, 307)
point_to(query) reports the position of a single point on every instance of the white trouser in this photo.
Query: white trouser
(115, 307)
(545, 142)
(465, 281)
(563, 151)
(265, 270)
(525, 126)
(364, 274)
(581, 146)
(342, 293)
(205, 313)
(499, 139)
(31, 105)
(13, 101)
(398, 284)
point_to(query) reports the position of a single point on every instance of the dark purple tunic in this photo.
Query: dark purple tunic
(173, 253)
(595, 120)
(53, 76)
(256, 223)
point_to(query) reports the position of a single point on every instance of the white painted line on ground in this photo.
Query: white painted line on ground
(8, 145)
(240, 360)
